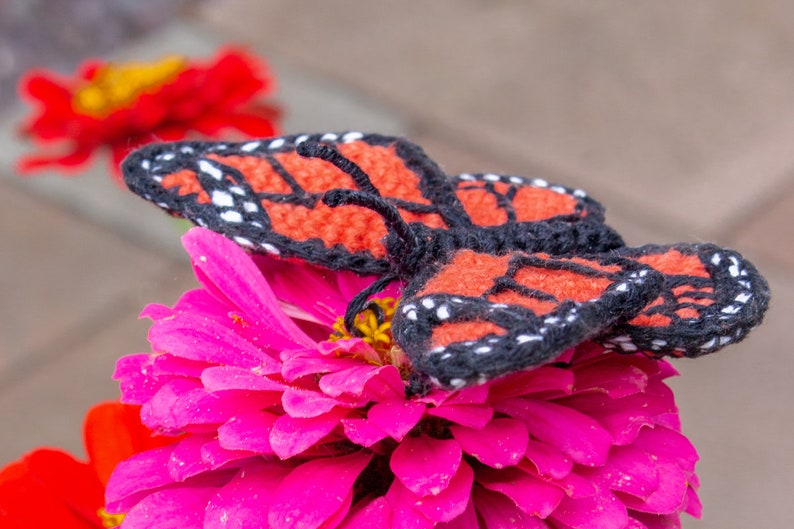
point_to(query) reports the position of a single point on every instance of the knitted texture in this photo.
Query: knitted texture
(503, 272)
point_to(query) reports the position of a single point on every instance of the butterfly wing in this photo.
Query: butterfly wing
(267, 197)
(492, 199)
(711, 297)
(481, 316)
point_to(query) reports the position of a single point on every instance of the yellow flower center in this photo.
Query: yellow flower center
(373, 326)
(115, 85)
(108, 519)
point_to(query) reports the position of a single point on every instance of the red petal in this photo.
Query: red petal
(113, 432)
(46, 88)
(51, 485)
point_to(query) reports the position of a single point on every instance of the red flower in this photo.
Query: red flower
(50, 488)
(123, 106)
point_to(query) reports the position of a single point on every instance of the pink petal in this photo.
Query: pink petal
(467, 520)
(693, 506)
(469, 395)
(213, 454)
(404, 515)
(156, 311)
(426, 465)
(376, 514)
(171, 509)
(500, 512)
(136, 385)
(663, 444)
(615, 376)
(314, 492)
(362, 432)
(529, 493)
(325, 302)
(545, 380)
(220, 378)
(245, 501)
(299, 365)
(471, 415)
(248, 431)
(180, 403)
(574, 485)
(141, 472)
(213, 256)
(629, 470)
(291, 436)
(164, 365)
(654, 521)
(602, 511)
(449, 503)
(377, 383)
(670, 496)
(185, 460)
(574, 433)
(624, 417)
(548, 460)
(192, 337)
(501, 443)
(306, 403)
(396, 417)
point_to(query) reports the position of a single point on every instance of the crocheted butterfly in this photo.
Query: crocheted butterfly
(503, 272)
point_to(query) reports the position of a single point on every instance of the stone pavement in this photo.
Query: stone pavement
(678, 116)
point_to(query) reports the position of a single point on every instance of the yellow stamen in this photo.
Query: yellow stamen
(109, 520)
(375, 333)
(116, 85)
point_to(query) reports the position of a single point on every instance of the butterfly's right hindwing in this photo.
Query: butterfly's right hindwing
(481, 316)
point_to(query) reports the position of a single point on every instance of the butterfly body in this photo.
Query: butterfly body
(502, 272)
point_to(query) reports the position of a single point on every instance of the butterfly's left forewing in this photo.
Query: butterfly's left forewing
(267, 197)
(481, 316)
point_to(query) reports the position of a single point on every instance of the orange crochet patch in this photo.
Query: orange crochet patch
(674, 262)
(482, 207)
(483, 269)
(186, 183)
(258, 173)
(463, 331)
(510, 297)
(562, 284)
(532, 203)
(330, 225)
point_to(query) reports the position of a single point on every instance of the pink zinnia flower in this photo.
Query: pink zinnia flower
(293, 427)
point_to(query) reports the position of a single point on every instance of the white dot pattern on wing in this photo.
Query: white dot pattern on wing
(442, 308)
(741, 278)
(520, 180)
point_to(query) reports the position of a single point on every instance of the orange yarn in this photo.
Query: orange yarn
(481, 270)
(462, 331)
(674, 262)
(385, 169)
(534, 203)
(530, 203)
(187, 184)
(511, 297)
(482, 206)
(258, 172)
(563, 284)
(331, 225)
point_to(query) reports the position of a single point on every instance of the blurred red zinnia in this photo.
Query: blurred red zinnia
(296, 424)
(121, 106)
(50, 488)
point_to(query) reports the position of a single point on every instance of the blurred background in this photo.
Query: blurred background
(678, 116)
